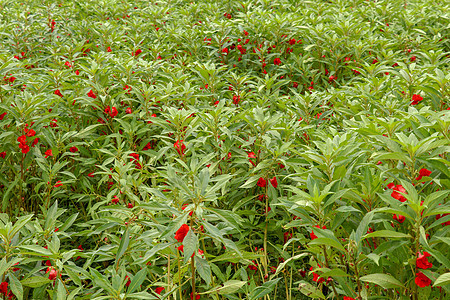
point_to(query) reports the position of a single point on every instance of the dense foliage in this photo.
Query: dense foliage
(207, 149)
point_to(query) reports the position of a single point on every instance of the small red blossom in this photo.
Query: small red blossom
(416, 98)
(115, 200)
(274, 181)
(261, 182)
(91, 94)
(58, 183)
(181, 233)
(422, 280)
(109, 49)
(48, 153)
(277, 61)
(395, 194)
(52, 273)
(399, 218)
(73, 149)
(180, 147)
(423, 173)
(2, 116)
(159, 289)
(58, 93)
(138, 51)
(422, 261)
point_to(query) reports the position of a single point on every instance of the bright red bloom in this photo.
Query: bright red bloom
(130, 205)
(395, 194)
(25, 148)
(416, 98)
(128, 110)
(261, 182)
(423, 172)
(115, 200)
(399, 218)
(236, 99)
(31, 133)
(58, 183)
(12, 79)
(2, 116)
(251, 155)
(113, 112)
(73, 149)
(316, 276)
(348, 298)
(196, 296)
(181, 233)
(391, 185)
(128, 281)
(274, 182)
(159, 289)
(77, 72)
(109, 49)
(180, 147)
(2, 154)
(91, 94)
(4, 288)
(138, 51)
(277, 61)
(48, 153)
(36, 140)
(22, 139)
(53, 273)
(422, 261)
(58, 93)
(312, 235)
(422, 280)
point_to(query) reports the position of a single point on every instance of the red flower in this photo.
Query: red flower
(77, 72)
(348, 298)
(138, 51)
(316, 276)
(274, 182)
(399, 218)
(225, 51)
(12, 79)
(422, 261)
(22, 139)
(180, 147)
(413, 58)
(128, 281)
(423, 172)
(130, 205)
(113, 112)
(58, 183)
(109, 49)
(115, 200)
(332, 78)
(181, 233)
(251, 155)
(2, 154)
(236, 99)
(395, 194)
(48, 153)
(416, 98)
(73, 149)
(158, 290)
(261, 182)
(36, 140)
(31, 133)
(128, 110)
(91, 94)
(312, 235)
(58, 93)
(2, 116)
(196, 296)
(25, 148)
(422, 280)
(53, 273)
(4, 288)
(277, 61)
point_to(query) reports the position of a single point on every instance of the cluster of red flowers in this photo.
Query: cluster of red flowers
(263, 182)
(111, 111)
(4, 291)
(416, 98)
(312, 235)
(180, 147)
(135, 158)
(23, 139)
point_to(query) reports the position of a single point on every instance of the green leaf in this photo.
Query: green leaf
(124, 242)
(310, 290)
(442, 280)
(229, 287)
(264, 289)
(137, 280)
(190, 244)
(281, 266)
(16, 286)
(386, 234)
(35, 281)
(327, 242)
(384, 280)
(203, 269)
(36, 250)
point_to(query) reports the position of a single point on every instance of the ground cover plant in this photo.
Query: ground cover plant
(224, 149)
